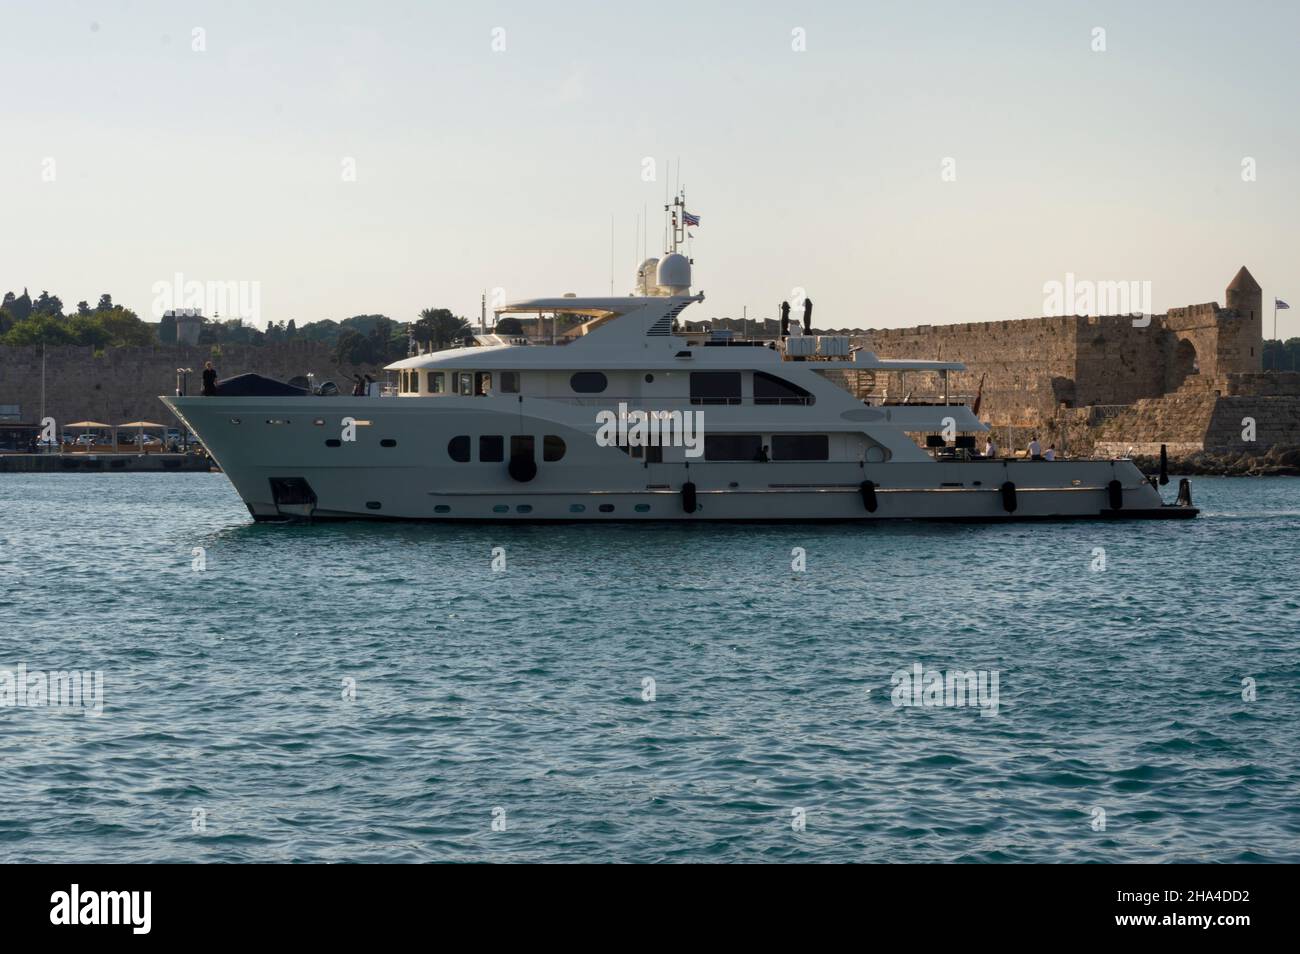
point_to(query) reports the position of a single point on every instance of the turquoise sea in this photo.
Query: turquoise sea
(359, 692)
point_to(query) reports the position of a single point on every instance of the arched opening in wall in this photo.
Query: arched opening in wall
(1185, 363)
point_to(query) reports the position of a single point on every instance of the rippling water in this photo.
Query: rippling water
(518, 696)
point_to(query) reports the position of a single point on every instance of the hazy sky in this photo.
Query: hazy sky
(818, 168)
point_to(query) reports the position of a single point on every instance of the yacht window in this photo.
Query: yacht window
(715, 387)
(654, 454)
(437, 382)
(491, 449)
(483, 383)
(465, 382)
(509, 382)
(521, 444)
(552, 447)
(588, 382)
(732, 446)
(769, 389)
(415, 382)
(458, 449)
(800, 447)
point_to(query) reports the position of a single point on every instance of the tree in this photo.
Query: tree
(511, 326)
(39, 329)
(439, 327)
(48, 304)
(105, 302)
(353, 348)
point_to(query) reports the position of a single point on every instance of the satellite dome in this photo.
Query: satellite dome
(673, 275)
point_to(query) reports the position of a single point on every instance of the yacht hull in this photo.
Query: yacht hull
(290, 458)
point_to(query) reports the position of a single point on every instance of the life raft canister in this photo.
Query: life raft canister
(1008, 490)
(1115, 494)
(868, 489)
(522, 467)
(688, 497)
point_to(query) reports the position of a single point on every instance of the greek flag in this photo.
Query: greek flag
(690, 219)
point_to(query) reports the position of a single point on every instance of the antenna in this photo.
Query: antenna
(611, 255)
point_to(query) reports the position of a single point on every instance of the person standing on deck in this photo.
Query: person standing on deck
(1035, 448)
(990, 448)
(209, 380)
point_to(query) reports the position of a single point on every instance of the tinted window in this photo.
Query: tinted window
(521, 444)
(588, 382)
(552, 447)
(732, 446)
(491, 448)
(437, 383)
(509, 382)
(715, 387)
(800, 447)
(458, 449)
(769, 389)
(415, 382)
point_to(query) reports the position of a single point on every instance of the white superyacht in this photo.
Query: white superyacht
(628, 417)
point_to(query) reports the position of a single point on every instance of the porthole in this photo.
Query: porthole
(642, 508)
(442, 508)
(649, 379)
(388, 442)
(373, 505)
(333, 442)
(524, 508)
(606, 508)
(552, 448)
(577, 508)
(501, 508)
(588, 382)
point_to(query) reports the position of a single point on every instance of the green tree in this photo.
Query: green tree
(439, 327)
(510, 325)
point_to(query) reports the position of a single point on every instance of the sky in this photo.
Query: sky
(902, 163)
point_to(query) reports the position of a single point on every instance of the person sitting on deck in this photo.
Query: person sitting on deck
(1050, 453)
(990, 448)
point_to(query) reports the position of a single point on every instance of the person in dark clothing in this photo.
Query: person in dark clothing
(209, 380)
(761, 457)
(358, 386)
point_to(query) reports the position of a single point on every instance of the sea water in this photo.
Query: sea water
(392, 692)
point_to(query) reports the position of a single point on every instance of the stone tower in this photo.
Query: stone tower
(1241, 331)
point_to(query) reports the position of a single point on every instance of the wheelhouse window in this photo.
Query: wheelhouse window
(458, 449)
(509, 382)
(491, 449)
(552, 448)
(769, 389)
(732, 446)
(715, 387)
(800, 447)
(437, 382)
(589, 382)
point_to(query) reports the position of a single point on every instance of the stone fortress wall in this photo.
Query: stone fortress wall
(123, 384)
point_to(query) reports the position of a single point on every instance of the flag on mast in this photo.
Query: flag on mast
(689, 218)
(1280, 305)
